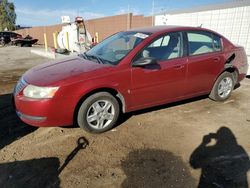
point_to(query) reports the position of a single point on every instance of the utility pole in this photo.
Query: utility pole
(128, 19)
(153, 12)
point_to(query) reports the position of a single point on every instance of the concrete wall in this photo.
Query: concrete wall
(104, 26)
(233, 23)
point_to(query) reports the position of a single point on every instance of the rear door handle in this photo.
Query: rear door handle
(177, 67)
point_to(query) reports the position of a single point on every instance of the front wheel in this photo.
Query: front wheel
(223, 87)
(98, 113)
(2, 42)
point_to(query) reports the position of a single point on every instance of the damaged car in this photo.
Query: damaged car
(129, 71)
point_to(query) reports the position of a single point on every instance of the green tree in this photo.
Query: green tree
(7, 15)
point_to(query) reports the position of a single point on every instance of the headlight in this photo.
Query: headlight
(39, 92)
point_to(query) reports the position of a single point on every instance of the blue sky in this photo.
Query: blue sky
(47, 12)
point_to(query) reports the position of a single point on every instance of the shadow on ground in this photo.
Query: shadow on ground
(30, 173)
(11, 127)
(224, 164)
(155, 168)
(124, 117)
(43, 172)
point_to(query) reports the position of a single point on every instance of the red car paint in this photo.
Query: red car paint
(137, 88)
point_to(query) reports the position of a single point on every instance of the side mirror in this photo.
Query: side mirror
(144, 62)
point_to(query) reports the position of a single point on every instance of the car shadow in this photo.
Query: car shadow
(124, 117)
(238, 85)
(155, 168)
(11, 127)
(43, 172)
(223, 164)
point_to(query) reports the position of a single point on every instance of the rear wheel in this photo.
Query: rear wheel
(98, 113)
(223, 87)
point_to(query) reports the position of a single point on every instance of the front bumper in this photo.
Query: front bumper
(43, 113)
(31, 118)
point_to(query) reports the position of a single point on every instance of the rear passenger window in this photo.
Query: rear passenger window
(200, 43)
(217, 43)
(203, 42)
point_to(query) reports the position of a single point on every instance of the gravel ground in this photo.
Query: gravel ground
(167, 146)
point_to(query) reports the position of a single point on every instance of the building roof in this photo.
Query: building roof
(217, 6)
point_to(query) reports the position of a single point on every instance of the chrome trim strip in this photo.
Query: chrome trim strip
(32, 118)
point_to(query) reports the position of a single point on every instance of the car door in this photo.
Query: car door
(205, 61)
(164, 81)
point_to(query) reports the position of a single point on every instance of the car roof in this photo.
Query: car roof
(166, 28)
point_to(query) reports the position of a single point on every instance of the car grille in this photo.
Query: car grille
(20, 86)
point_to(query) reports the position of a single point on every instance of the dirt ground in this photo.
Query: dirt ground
(159, 147)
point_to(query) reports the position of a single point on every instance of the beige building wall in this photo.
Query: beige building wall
(38, 33)
(104, 26)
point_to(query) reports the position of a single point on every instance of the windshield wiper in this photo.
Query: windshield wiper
(83, 55)
(95, 57)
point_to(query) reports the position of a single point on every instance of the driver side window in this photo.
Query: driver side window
(166, 47)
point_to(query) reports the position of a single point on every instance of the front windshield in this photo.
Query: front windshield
(115, 48)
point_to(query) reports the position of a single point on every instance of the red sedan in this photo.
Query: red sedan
(129, 71)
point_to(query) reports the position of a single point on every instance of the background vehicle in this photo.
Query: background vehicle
(7, 36)
(129, 71)
(27, 41)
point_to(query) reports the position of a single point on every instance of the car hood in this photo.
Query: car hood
(62, 72)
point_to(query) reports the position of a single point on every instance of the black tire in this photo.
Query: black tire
(86, 105)
(2, 43)
(26, 45)
(214, 95)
